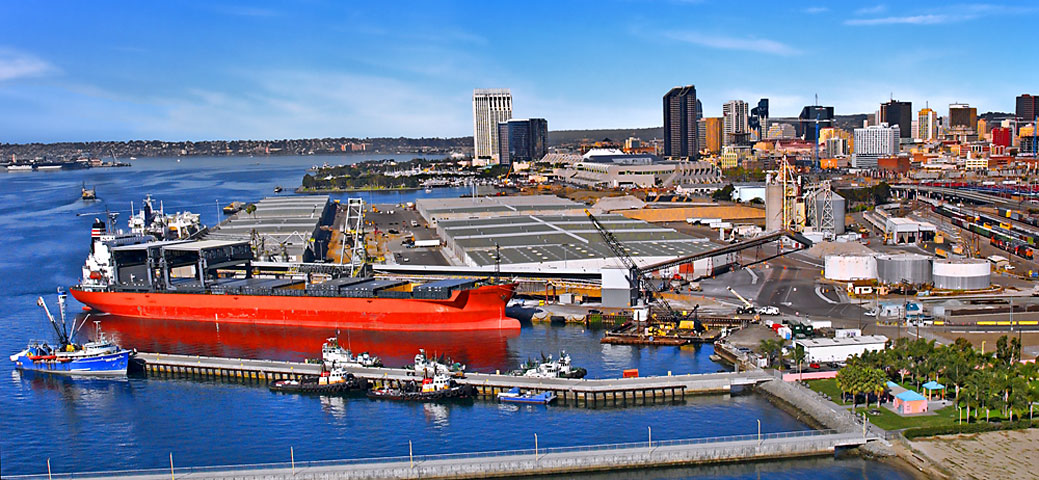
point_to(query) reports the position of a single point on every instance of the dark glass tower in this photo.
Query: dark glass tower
(681, 134)
(898, 113)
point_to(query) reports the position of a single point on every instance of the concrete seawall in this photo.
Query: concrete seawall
(808, 406)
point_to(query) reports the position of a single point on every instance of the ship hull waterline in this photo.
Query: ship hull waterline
(481, 308)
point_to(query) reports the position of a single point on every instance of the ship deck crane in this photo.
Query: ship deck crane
(637, 277)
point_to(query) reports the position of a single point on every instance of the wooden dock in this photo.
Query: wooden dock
(582, 392)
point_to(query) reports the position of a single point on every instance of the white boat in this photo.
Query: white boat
(335, 356)
(549, 368)
(19, 168)
(428, 367)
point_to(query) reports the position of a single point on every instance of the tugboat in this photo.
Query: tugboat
(88, 193)
(514, 396)
(438, 388)
(100, 357)
(429, 367)
(548, 368)
(331, 382)
(233, 207)
(334, 355)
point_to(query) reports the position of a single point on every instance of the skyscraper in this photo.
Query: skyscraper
(1027, 107)
(680, 127)
(964, 117)
(491, 106)
(927, 125)
(759, 118)
(737, 128)
(807, 120)
(522, 140)
(898, 113)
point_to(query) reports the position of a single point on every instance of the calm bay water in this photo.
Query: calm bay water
(135, 423)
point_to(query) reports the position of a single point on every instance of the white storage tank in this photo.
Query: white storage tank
(911, 268)
(845, 268)
(962, 273)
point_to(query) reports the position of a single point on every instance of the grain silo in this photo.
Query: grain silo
(773, 207)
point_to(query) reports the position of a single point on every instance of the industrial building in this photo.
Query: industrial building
(287, 229)
(840, 349)
(546, 232)
(637, 171)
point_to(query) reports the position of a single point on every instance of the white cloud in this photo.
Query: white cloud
(875, 9)
(749, 44)
(815, 10)
(15, 64)
(927, 19)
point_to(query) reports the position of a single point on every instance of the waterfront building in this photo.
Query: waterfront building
(1027, 107)
(810, 115)
(737, 129)
(522, 140)
(873, 142)
(491, 106)
(927, 125)
(898, 113)
(825, 350)
(680, 123)
(619, 170)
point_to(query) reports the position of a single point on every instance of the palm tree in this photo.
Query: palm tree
(799, 356)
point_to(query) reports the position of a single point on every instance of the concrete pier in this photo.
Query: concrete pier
(586, 392)
(516, 463)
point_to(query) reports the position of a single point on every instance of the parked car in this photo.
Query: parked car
(871, 312)
(769, 310)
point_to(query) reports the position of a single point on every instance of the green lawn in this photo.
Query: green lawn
(827, 386)
(889, 420)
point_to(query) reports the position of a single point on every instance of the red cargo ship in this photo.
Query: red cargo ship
(476, 308)
(218, 281)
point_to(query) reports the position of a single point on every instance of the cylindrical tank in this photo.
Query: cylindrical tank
(838, 204)
(844, 268)
(962, 273)
(773, 207)
(910, 268)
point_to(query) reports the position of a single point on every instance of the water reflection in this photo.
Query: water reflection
(479, 350)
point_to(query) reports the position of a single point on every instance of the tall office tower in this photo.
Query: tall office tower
(522, 140)
(680, 129)
(807, 120)
(491, 106)
(963, 117)
(927, 125)
(898, 113)
(1027, 107)
(759, 118)
(712, 131)
(873, 142)
(737, 128)
(982, 128)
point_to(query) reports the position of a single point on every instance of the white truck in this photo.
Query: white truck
(427, 243)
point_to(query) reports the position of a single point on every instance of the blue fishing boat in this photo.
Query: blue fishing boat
(97, 358)
(514, 396)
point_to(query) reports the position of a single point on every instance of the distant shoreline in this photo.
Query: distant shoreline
(358, 189)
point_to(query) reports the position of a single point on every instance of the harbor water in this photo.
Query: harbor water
(88, 425)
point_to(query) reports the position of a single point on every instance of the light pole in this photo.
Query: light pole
(759, 431)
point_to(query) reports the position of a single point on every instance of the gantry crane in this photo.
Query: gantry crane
(637, 277)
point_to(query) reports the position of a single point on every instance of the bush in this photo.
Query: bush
(968, 428)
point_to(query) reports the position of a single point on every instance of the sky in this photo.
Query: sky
(183, 70)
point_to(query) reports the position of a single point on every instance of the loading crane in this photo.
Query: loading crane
(638, 277)
(747, 308)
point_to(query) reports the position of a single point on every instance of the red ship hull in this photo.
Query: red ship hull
(481, 308)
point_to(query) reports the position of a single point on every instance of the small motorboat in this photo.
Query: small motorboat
(515, 396)
(278, 189)
(431, 367)
(331, 382)
(436, 389)
(549, 368)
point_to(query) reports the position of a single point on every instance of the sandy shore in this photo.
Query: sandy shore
(991, 455)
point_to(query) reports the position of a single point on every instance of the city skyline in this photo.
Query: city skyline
(124, 71)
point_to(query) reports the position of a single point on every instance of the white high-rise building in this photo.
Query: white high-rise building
(491, 106)
(873, 142)
(734, 113)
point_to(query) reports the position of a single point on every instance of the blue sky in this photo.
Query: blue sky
(85, 70)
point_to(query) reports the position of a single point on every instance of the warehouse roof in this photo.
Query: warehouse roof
(838, 342)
